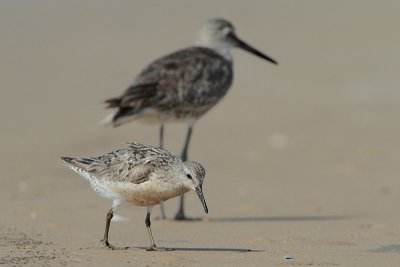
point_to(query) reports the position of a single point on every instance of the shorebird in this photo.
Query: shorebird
(140, 175)
(182, 86)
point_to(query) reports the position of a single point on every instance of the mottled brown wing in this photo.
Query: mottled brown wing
(133, 164)
(194, 76)
(119, 166)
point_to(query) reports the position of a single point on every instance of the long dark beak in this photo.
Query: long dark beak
(199, 192)
(241, 44)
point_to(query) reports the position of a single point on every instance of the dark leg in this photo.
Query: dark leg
(110, 214)
(162, 211)
(161, 140)
(180, 215)
(153, 246)
(187, 141)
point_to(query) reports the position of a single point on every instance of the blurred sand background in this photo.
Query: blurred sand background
(302, 159)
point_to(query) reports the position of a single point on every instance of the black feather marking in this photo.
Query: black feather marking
(84, 161)
(68, 160)
(113, 102)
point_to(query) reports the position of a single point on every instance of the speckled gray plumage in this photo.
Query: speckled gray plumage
(182, 85)
(133, 164)
(140, 175)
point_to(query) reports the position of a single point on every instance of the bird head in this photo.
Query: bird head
(194, 176)
(219, 35)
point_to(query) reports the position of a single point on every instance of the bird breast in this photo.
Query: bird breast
(146, 194)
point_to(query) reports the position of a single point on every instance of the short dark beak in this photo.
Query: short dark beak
(239, 43)
(199, 192)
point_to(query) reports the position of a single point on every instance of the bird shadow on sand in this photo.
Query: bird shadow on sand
(187, 219)
(387, 248)
(237, 250)
(281, 218)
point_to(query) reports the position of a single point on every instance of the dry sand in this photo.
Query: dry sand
(302, 159)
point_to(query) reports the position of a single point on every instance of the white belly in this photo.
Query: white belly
(145, 194)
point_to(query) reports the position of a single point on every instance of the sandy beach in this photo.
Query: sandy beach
(301, 158)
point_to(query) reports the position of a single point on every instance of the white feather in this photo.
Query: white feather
(119, 218)
(108, 121)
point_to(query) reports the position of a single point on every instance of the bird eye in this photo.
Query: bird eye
(189, 176)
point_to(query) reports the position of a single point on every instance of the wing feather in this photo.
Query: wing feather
(133, 165)
(195, 76)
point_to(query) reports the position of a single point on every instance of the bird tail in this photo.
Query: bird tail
(121, 116)
(76, 164)
(113, 102)
(67, 161)
(109, 121)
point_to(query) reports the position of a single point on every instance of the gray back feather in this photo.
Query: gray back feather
(133, 164)
(189, 78)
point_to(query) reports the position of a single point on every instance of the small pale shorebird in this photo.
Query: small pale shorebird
(184, 85)
(140, 175)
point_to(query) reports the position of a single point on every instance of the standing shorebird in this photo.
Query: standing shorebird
(184, 85)
(140, 175)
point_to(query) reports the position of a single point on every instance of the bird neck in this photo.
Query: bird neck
(224, 51)
(220, 47)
